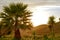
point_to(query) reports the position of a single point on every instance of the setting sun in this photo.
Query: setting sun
(40, 15)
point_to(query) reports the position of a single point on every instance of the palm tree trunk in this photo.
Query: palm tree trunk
(17, 32)
(53, 34)
(0, 33)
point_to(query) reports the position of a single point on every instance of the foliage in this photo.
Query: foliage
(51, 20)
(51, 23)
(15, 17)
(45, 37)
(20, 12)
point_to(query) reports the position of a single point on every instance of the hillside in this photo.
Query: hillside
(44, 29)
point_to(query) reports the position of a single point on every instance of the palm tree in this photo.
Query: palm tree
(19, 13)
(51, 25)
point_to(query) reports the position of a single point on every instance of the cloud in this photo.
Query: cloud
(30, 2)
(54, 11)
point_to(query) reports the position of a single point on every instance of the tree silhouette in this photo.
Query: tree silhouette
(59, 19)
(51, 25)
(19, 16)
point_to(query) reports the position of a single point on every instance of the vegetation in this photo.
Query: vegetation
(16, 17)
(51, 27)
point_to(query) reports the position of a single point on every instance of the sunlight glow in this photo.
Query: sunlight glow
(40, 15)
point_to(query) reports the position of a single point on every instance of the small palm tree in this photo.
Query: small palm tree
(51, 23)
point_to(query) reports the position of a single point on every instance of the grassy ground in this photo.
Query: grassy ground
(29, 38)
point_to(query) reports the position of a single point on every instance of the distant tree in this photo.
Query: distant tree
(17, 16)
(51, 25)
(59, 19)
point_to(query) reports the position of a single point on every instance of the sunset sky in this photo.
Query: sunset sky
(41, 9)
